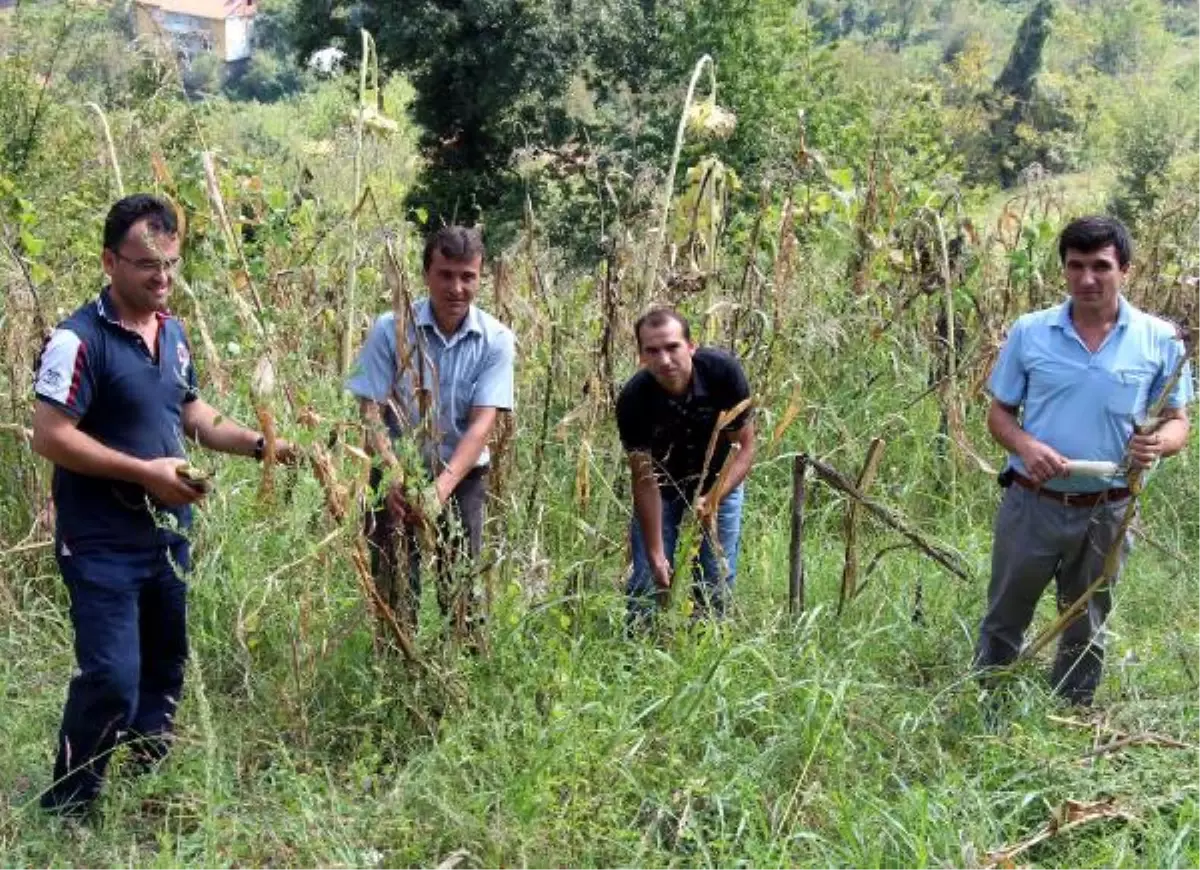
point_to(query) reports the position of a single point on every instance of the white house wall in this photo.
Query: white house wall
(237, 38)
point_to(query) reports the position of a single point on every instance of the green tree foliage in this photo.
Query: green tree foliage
(1014, 88)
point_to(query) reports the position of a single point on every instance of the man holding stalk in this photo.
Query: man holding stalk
(1071, 392)
(444, 388)
(685, 423)
(116, 395)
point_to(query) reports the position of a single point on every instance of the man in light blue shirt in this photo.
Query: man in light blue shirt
(1070, 384)
(457, 360)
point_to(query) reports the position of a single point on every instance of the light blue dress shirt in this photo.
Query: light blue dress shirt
(473, 368)
(1084, 404)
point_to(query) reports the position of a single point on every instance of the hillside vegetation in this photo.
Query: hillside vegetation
(886, 203)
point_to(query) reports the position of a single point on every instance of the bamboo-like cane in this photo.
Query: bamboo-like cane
(1113, 559)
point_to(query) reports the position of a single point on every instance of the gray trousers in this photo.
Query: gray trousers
(1037, 539)
(459, 540)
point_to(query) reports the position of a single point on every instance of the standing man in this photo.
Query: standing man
(1070, 383)
(116, 395)
(459, 359)
(666, 415)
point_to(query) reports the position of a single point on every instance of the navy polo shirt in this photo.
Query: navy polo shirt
(104, 376)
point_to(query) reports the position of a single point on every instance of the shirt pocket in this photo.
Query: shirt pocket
(1127, 391)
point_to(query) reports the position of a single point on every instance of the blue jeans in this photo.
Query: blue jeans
(129, 612)
(710, 590)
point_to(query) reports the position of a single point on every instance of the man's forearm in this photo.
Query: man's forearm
(647, 505)
(218, 432)
(466, 454)
(1006, 429)
(1173, 435)
(79, 452)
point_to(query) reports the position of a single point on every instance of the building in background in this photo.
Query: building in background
(223, 27)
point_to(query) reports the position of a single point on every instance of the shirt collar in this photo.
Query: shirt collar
(1064, 314)
(108, 311)
(471, 323)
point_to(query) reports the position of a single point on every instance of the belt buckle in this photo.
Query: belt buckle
(1068, 498)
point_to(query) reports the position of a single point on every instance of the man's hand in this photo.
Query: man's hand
(161, 479)
(660, 570)
(422, 510)
(1145, 449)
(287, 453)
(1042, 462)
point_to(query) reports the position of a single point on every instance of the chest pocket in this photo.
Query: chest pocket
(1128, 392)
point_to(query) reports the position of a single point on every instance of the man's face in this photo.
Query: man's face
(667, 355)
(1094, 279)
(452, 287)
(143, 268)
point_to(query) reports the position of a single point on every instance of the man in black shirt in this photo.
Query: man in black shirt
(667, 414)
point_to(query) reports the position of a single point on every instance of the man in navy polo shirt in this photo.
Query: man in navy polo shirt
(666, 415)
(1070, 383)
(116, 395)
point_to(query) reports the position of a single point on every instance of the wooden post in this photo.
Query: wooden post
(850, 523)
(796, 550)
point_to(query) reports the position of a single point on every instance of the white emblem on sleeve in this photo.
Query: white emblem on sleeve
(57, 369)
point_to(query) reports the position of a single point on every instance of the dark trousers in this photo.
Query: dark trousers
(458, 543)
(129, 614)
(1037, 540)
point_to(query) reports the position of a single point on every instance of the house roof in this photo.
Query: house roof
(219, 9)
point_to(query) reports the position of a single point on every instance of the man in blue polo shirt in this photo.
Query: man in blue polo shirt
(116, 395)
(1070, 384)
(458, 359)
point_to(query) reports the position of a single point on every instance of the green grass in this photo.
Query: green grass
(852, 742)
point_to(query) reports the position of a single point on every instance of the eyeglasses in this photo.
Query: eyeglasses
(170, 265)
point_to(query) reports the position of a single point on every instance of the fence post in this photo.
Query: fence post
(796, 550)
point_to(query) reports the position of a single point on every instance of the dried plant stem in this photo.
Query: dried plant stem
(217, 201)
(351, 314)
(112, 152)
(266, 423)
(947, 559)
(215, 373)
(660, 243)
(850, 523)
(337, 503)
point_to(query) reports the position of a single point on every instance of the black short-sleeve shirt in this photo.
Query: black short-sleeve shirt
(675, 430)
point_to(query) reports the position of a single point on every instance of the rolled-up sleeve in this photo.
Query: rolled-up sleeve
(375, 369)
(1008, 380)
(494, 388)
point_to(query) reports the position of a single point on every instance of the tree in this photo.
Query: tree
(1014, 89)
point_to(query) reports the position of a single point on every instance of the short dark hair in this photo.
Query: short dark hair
(657, 316)
(128, 211)
(453, 243)
(1093, 232)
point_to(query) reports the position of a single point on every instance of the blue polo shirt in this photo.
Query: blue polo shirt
(1085, 404)
(104, 376)
(473, 368)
